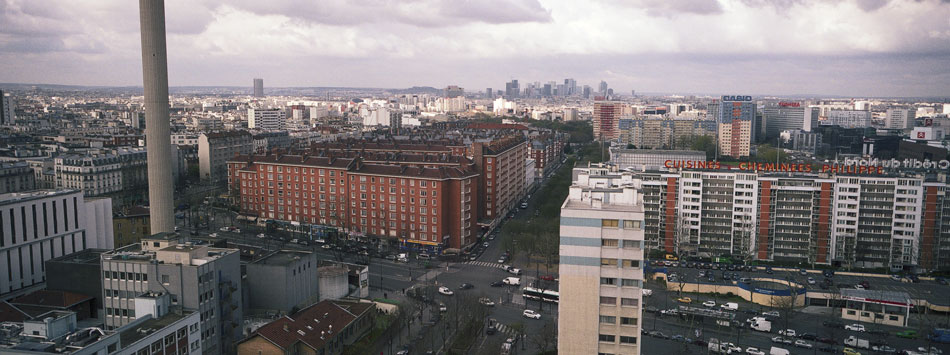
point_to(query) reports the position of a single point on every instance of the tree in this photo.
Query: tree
(546, 338)
(703, 143)
(786, 304)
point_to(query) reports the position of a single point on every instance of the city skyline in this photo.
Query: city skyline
(847, 48)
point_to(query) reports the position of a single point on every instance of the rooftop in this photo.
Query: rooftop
(587, 205)
(313, 325)
(87, 256)
(16, 197)
(282, 257)
(135, 333)
(878, 296)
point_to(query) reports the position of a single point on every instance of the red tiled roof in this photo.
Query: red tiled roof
(498, 126)
(50, 298)
(306, 326)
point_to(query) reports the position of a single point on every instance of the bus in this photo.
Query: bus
(536, 294)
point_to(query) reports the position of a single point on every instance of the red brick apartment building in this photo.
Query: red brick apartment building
(430, 206)
(501, 164)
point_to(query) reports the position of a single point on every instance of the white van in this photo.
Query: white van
(778, 351)
(729, 306)
(404, 258)
(512, 281)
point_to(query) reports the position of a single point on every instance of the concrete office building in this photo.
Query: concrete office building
(650, 159)
(848, 118)
(785, 116)
(41, 225)
(601, 270)
(80, 273)
(269, 119)
(196, 277)
(258, 87)
(7, 109)
(899, 118)
(214, 150)
(283, 280)
(736, 118)
(799, 140)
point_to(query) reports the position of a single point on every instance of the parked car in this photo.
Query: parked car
(684, 300)
(531, 314)
(811, 281)
(547, 277)
(213, 235)
(787, 332)
(515, 271)
(771, 314)
(909, 334)
(855, 327)
(497, 284)
(486, 301)
(709, 304)
(833, 324)
(466, 286)
(754, 351)
(803, 344)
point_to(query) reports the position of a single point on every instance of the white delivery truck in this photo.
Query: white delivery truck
(511, 281)
(647, 292)
(857, 342)
(761, 325)
(729, 306)
(778, 351)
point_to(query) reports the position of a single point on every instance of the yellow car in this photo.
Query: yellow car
(684, 300)
(850, 351)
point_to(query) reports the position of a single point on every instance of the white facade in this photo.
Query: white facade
(41, 225)
(601, 251)
(92, 174)
(530, 173)
(718, 211)
(266, 119)
(185, 139)
(849, 118)
(899, 118)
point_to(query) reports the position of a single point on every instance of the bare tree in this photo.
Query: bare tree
(546, 338)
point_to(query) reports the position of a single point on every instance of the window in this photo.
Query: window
(606, 338)
(608, 243)
(608, 319)
(631, 224)
(631, 283)
(627, 340)
(631, 263)
(608, 281)
(610, 223)
(165, 279)
(633, 244)
(630, 302)
(608, 262)
(628, 321)
(608, 300)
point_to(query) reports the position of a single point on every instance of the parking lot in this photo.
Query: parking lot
(668, 329)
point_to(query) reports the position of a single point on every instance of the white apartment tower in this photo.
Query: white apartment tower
(601, 272)
(273, 119)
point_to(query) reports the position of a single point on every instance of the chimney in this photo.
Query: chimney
(286, 328)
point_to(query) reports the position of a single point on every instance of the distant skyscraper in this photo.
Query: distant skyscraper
(571, 86)
(900, 118)
(512, 90)
(453, 91)
(489, 93)
(6, 109)
(258, 87)
(587, 92)
(736, 132)
(606, 120)
(785, 116)
(603, 87)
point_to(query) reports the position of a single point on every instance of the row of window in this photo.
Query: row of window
(624, 301)
(625, 263)
(627, 224)
(612, 281)
(126, 276)
(613, 320)
(609, 338)
(613, 243)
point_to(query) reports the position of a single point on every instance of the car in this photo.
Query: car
(524, 205)
(771, 314)
(213, 235)
(768, 270)
(884, 349)
(827, 340)
(327, 246)
(445, 291)
(855, 327)
(501, 260)
(807, 336)
(754, 351)
(833, 324)
(491, 237)
(711, 279)
(547, 277)
(811, 281)
(677, 337)
(787, 332)
(497, 284)
(442, 307)
(262, 235)
(515, 271)
(781, 340)
(528, 313)
(896, 277)
(224, 229)
(485, 244)
(423, 256)
(802, 272)
(849, 351)
(803, 344)
(684, 300)
(828, 273)
(909, 334)
(466, 286)
(931, 351)
(709, 304)
(486, 301)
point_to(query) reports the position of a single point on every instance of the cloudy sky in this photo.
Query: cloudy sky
(841, 47)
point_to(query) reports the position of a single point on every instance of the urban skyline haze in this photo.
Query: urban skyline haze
(850, 48)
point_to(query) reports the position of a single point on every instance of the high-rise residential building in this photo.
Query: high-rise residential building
(651, 159)
(607, 120)
(40, 225)
(272, 119)
(848, 118)
(795, 217)
(900, 118)
(601, 269)
(785, 116)
(512, 89)
(736, 119)
(658, 132)
(717, 211)
(214, 150)
(258, 87)
(196, 277)
(489, 94)
(453, 91)
(7, 109)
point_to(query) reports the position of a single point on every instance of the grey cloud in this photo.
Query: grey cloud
(871, 5)
(672, 8)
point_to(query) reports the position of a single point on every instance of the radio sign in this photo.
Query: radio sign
(789, 104)
(736, 98)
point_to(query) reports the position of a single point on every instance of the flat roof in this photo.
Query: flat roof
(876, 296)
(131, 335)
(87, 256)
(15, 197)
(586, 205)
(282, 257)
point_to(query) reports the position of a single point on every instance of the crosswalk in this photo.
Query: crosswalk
(506, 329)
(484, 264)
